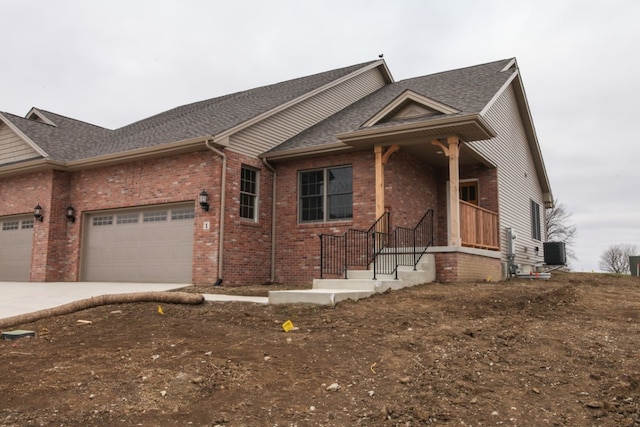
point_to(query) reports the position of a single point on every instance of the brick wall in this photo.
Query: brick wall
(460, 267)
(57, 242)
(409, 192)
(247, 244)
(298, 245)
(411, 189)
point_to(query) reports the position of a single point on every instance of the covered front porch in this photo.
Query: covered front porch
(465, 234)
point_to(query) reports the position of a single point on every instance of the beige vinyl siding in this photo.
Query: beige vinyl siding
(278, 128)
(12, 147)
(518, 182)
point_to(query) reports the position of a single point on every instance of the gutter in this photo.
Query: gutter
(223, 185)
(272, 277)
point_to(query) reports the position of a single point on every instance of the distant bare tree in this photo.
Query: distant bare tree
(616, 258)
(558, 228)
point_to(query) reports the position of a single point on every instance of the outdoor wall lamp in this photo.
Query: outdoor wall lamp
(37, 213)
(70, 214)
(203, 199)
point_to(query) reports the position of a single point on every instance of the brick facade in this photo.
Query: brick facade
(460, 266)
(411, 187)
(180, 178)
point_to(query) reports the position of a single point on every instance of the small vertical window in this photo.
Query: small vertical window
(248, 193)
(326, 194)
(536, 229)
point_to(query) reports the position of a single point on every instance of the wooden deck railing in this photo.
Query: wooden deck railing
(478, 227)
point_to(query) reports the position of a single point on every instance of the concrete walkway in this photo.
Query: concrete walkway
(26, 297)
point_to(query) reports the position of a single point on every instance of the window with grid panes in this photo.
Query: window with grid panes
(248, 193)
(326, 194)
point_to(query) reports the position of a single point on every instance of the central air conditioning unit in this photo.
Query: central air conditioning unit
(555, 253)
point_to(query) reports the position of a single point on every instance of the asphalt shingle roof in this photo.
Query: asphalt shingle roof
(74, 140)
(468, 90)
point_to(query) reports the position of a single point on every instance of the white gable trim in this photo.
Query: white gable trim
(35, 112)
(409, 96)
(22, 136)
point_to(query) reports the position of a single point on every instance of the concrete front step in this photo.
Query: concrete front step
(317, 296)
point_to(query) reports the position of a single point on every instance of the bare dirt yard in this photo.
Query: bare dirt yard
(563, 352)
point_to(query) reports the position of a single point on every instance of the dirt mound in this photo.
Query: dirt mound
(562, 352)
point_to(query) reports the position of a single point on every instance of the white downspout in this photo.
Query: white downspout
(223, 185)
(273, 220)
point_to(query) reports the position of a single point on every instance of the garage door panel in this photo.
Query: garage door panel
(16, 245)
(144, 246)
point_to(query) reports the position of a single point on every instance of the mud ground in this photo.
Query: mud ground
(563, 352)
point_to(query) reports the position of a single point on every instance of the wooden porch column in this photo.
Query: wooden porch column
(454, 190)
(378, 149)
(452, 151)
(382, 157)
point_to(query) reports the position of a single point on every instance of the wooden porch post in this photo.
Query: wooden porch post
(454, 190)
(382, 157)
(452, 151)
(378, 149)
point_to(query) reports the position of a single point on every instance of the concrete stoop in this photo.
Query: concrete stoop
(360, 284)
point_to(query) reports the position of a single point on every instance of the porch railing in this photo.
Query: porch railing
(478, 227)
(376, 246)
(404, 246)
(353, 248)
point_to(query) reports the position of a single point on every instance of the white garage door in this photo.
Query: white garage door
(153, 245)
(16, 243)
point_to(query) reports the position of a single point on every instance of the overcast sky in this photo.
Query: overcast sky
(115, 62)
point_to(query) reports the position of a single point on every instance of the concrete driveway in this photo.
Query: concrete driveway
(26, 297)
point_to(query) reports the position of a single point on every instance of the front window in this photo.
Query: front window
(536, 232)
(326, 194)
(248, 193)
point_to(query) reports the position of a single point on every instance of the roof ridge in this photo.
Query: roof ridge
(456, 70)
(68, 118)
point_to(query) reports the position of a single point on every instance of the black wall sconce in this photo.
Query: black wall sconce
(37, 213)
(70, 213)
(203, 199)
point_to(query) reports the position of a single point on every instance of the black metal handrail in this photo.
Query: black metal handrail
(378, 246)
(404, 246)
(353, 248)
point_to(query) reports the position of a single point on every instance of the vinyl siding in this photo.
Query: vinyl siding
(278, 128)
(518, 182)
(13, 148)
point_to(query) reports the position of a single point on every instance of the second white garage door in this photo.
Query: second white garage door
(152, 245)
